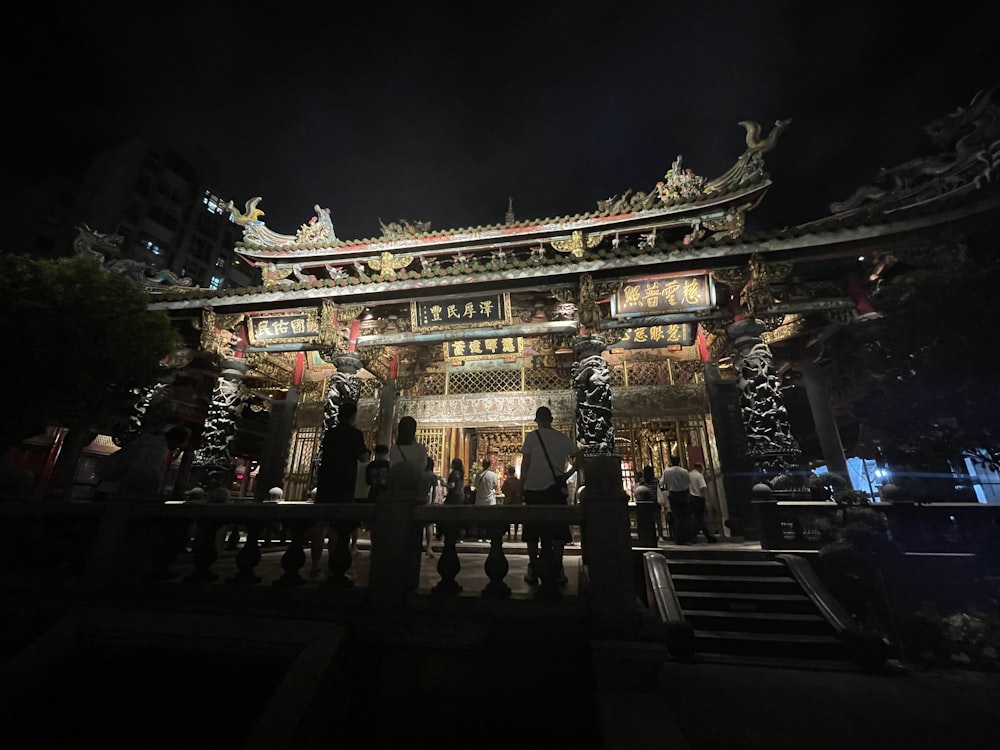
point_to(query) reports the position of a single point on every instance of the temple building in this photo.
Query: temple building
(652, 326)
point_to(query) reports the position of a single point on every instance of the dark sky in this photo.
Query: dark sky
(404, 112)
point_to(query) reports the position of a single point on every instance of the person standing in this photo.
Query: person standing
(677, 484)
(343, 447)
(699, 496)
(455, 484)
(486, 485)
(406, 448)
(430, 483)
(455, 493)
(645, 500)
(377, 472)
(512, 493)
(544, 456)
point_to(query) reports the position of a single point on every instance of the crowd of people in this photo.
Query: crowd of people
(349, 471)
(548, 457)
(682, 496)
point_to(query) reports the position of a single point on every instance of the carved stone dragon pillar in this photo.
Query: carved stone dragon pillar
(212, 461)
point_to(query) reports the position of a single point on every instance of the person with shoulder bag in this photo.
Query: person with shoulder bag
(544, 456)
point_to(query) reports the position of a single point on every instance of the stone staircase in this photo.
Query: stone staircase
(746, 606)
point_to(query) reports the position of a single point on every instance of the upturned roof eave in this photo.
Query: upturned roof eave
(711, 255)
(519, 234)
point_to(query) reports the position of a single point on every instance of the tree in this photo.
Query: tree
(80, 340)
(930, 390)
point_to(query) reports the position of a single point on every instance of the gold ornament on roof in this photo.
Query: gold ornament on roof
(387, 264)
(251, 215)
(577, 243)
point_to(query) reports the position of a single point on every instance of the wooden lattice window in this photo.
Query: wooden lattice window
(485, 381)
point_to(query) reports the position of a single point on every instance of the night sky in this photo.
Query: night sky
(404, 112)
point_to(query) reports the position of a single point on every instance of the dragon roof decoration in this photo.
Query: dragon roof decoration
(967, 159)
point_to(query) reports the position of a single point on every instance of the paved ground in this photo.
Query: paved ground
(717, 707)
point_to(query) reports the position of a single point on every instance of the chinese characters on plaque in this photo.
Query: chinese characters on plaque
(653, 337)
(663, 294)
(486, 348)
(285, 327)
(468, 312)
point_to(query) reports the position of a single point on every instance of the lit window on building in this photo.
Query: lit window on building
(213, 203)
(220, 262)
(215, 283)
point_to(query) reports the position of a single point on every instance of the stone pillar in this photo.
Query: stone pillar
(607, 543)
(148, 397)
(212, 461)
(592, 382)
(395, 557)
(770, 444)
(277, 443)
(823, 418)
(386, 411)
(343, 386)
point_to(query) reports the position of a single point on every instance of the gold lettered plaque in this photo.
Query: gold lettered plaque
(283, 327)
(465, 312)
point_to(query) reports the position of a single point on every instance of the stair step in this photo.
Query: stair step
(759, 566)
(779, 662)
(739, 602)
(732, 578)
(785, 623)
(769, 645)
(776, 616)
(767, 637)
(740, 595)
(749, 584)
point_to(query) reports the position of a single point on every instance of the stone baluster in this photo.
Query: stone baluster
(496, 565)
(205, 551)
(249, 556)
(295, 556)
(448, 564)
(339, 559)
(170, 538)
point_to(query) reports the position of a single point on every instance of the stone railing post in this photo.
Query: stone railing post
(395, 555)
(607, 544)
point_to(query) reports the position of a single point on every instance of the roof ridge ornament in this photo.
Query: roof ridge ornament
(750, 166)
(318, 230)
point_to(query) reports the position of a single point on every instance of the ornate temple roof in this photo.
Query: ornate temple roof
(687, 206)
(685, 220)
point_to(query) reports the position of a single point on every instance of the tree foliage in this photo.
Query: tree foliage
(926, 361)
(80, 340)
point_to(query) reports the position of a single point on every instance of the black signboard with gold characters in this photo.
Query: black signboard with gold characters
(467, 312)
(663, 294)
(654, 337)
(284, 327)
(486, 348)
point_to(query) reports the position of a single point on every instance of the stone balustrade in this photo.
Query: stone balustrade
(174, 551)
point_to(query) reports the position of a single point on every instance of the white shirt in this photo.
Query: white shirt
(698, 483)
(560, 448)
(486, 487)
(675, 479)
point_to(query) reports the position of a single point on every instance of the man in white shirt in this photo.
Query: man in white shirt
(699, 496)
(486, 485)
(677, 483)
(544, 458)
